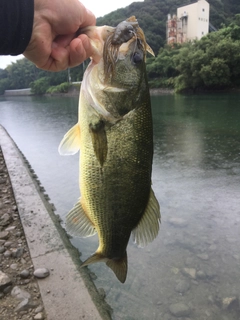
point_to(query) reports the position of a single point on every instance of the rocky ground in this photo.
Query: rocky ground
(19, 292)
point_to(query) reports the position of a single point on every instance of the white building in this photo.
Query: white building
(192, 22)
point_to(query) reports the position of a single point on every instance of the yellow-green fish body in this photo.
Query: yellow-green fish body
(114, 134)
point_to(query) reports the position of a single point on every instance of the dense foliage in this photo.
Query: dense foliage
(61, 88)
(212, 62)
(24, 74)
(40, 86)
(152, 16)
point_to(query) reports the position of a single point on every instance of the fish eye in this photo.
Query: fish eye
(137, 57)
(130, 28)
(131, 32)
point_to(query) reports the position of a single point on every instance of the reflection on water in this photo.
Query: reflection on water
(192, 269)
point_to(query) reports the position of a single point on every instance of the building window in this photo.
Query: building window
(202, 33)
(203, 9)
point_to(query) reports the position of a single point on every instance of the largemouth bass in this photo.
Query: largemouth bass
(115, 138)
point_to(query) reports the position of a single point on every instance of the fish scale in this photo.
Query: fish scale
(117, 183)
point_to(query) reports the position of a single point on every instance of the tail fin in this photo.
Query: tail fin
(118, 266)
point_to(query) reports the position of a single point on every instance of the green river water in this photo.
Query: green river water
(195, 260)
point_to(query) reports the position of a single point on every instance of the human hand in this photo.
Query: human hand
(54, 45)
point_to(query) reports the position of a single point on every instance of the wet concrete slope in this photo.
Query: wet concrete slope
(65, 293)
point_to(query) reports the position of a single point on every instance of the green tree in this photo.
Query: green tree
(210, 63)
(162, 69)
(40, 86)
(216, 74)
(4, 85)
(21, 73)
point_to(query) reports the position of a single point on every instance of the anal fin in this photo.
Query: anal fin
(96, 257)
(78, 224)
(148, 227)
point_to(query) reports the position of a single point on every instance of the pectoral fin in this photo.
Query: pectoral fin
(148, 227)
(70, 143)
(78, 224)
(99, 140)
(150, 50)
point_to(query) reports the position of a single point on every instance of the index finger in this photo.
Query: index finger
(89, 18)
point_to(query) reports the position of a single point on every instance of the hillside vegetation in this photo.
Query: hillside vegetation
(152, 16)
(193, 65)
(212, 63)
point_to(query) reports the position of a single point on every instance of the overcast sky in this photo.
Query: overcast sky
(98, 7)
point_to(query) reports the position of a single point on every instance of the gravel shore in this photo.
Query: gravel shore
(19, 291)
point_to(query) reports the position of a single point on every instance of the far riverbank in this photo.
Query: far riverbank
(74, 91)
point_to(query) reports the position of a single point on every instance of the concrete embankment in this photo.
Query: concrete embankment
(18, 92)
(68, 293)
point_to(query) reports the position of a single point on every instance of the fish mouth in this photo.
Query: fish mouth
(126, 36)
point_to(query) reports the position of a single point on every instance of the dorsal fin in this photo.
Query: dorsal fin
(148, 227)
(78, 224)
(70, 143)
